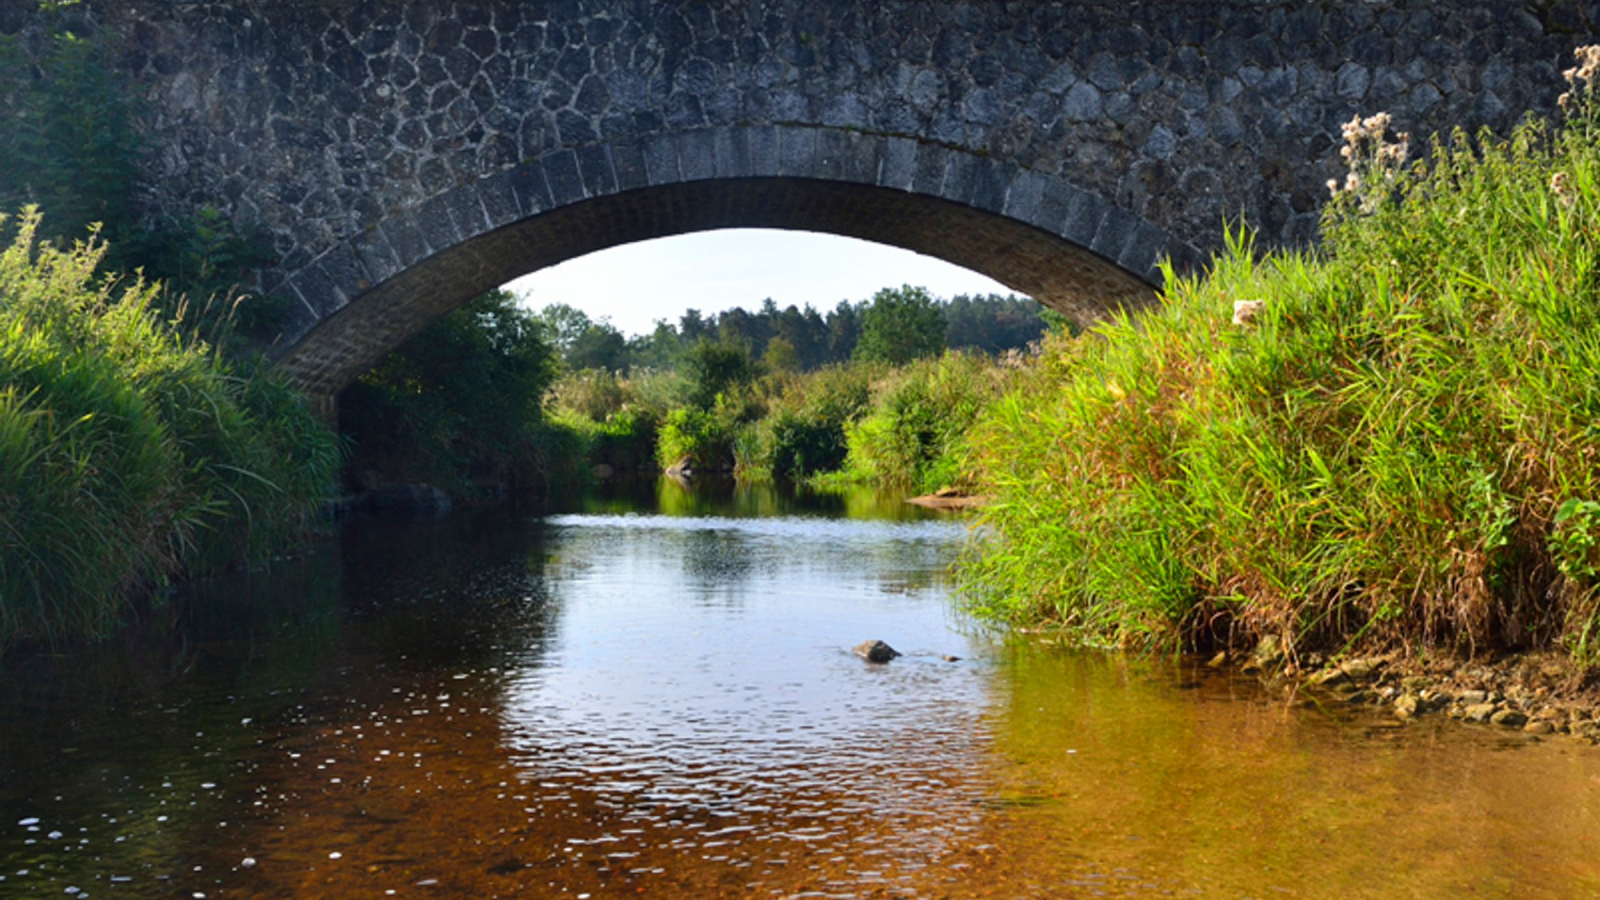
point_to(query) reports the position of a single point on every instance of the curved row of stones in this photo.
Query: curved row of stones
(566, 177)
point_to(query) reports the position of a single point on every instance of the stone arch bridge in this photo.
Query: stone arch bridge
(405, 157)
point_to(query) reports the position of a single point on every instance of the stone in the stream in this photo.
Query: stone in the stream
(1407, 706)
(1474, 698)
(1329, 677)
(1479, 712)
(1539, 728)
(1268, 653)
(950, 658)
(1510, 718)
(1359, 669)
(875, 651)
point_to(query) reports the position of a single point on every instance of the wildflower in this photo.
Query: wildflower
(1563, 191)
(1245, 311)
(1588, 68)
(1370, 156)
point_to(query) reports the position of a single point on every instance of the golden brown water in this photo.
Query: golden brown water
(620, 705)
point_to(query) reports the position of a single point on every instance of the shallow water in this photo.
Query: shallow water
(654, 696)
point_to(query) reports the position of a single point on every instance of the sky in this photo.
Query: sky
(636, 284)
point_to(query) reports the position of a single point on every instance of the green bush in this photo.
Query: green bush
(802, 446)
(703, 437)
(1397, 449)
(912, 438)
(804, 433)
(128, 454)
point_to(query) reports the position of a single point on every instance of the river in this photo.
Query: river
(652, 694)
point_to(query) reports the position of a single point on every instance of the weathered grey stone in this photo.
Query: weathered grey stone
(661, 159)
(764, 151)
(1352, 81)
(1161, 143)
(438, 226)
(898, 166)
(1083, 103)
(595, 171)
(698, 154)
(532, 190)
(499, 199)
(1510, 718)
(377, 256)
(628, 165)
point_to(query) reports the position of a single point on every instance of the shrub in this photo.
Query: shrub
(704, 437)
(456, 403)
(912, 438)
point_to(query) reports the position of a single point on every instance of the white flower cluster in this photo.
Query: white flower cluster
(1587, 71)
(1367, 151)
(1561, 186)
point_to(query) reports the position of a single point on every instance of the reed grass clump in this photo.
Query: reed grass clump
(1393, 442)
(128, 454)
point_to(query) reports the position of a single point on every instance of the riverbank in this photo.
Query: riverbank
(1382, 447)
(1540, 694)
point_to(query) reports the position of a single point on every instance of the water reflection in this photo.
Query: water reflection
(653, 694)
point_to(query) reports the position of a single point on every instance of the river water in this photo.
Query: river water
(652, 694)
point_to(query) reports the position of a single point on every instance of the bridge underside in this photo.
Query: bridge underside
(1057, 270)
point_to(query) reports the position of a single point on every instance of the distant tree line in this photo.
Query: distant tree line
(896, 326)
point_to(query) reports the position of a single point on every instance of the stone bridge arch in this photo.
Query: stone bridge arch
(402, 156)
(1073, 250)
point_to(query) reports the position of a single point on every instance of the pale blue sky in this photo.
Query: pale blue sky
(636, 284)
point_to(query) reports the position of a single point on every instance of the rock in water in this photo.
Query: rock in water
(876, 651)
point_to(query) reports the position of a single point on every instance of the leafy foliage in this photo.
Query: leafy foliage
(459, 401)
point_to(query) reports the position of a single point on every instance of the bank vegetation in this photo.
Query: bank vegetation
(1389, 442)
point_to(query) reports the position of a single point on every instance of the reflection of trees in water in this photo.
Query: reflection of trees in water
(467, 589)
(716, 560)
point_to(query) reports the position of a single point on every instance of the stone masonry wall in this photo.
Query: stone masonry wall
(1150, 122)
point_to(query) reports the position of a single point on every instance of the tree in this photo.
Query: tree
(461, 397)
(844, 329)
(692, 327)
(715, 367)
(781, 356)
(992, 323)
(600, 346)
(564, 324)
(900, 325)
(582, 342)
(661, 349)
